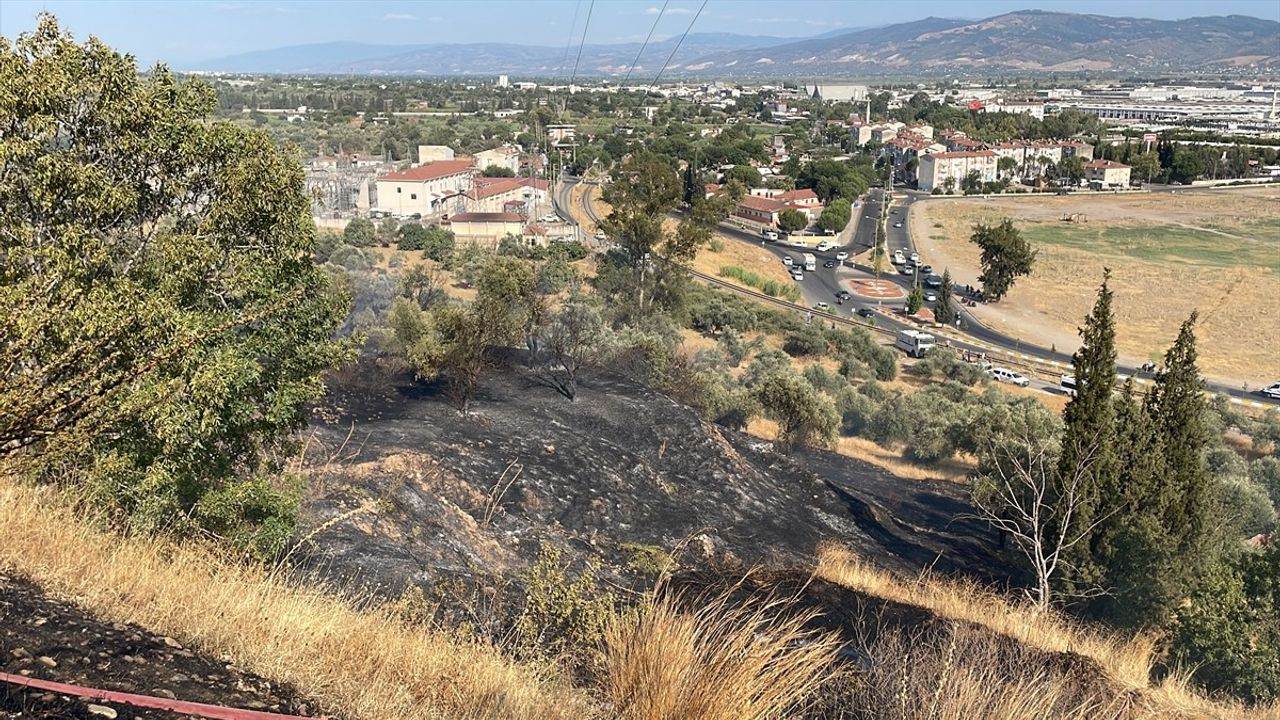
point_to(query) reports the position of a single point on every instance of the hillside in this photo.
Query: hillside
(619, 474)
(1028, 41)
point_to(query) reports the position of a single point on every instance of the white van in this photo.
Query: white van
(914, 342)
(1068, 384)
(810, 262)
(899, 258)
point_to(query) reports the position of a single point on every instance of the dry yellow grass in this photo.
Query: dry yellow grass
(1240, 316)
(1126, 661)
(363, 665)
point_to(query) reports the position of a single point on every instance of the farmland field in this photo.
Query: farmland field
(1215, 251)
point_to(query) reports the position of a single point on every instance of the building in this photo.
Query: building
(517, 195)
(426, 190)
(503, 81)
(947, 170)
(1107, 173)
(485, 229)
(434, 153)
(562, 134)
(764, 205)
(837, 93)
(506, 156)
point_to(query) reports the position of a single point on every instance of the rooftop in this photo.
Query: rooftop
(486, 217)
(431, 171)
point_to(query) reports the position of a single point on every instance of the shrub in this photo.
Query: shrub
(823, 381)
(805, 340)
(563, 617)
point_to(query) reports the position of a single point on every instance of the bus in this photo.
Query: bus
(810, 262)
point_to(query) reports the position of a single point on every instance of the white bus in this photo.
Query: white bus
(810, 262)
(914, 342)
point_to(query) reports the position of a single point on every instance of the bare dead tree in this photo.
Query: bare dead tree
(572, 339)
(1038, 507)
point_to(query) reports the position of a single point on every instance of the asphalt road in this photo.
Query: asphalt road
(824, 285)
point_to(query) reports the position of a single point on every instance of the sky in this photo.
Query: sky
(178, 33)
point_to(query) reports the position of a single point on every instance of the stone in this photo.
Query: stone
(47, 661)
(162, 692)
(101, 711)
(20, 653)
(171, 642)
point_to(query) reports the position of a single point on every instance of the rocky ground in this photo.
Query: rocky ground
(406, 491)
(50, 639)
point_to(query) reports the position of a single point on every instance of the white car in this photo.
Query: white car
(824, 246)
(601, 236)
(822, 307)
(770, 235)
(797, 274)
(842, 256)
(930, 296)
(1008, 376)
(1272, 391)
(915, 258)
(549, 218)
(899, 259)
(786, 260)
(897, 225)
(797, 244)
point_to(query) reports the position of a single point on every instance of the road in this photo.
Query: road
(825, 284)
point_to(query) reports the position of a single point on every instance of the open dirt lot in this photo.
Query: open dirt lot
(1216, 251)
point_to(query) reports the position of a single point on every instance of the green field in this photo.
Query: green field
(1169, 243)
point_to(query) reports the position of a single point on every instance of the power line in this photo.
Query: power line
(581, 44)
(646, 42)
(678, 44)
(569, 43)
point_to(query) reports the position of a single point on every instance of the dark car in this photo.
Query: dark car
(927, 269)
(933, 281)
(829, 264)
(864, 312)
(844, 295)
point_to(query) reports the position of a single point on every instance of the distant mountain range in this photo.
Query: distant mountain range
(1028, 41)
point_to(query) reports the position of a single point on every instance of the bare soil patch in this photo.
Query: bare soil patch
(1217, 252)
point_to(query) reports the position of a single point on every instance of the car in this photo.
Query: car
(869, 217)
(1272, 391)
(549, 218)
(930, 296)
(824, 246)
(844, 295)
(797, 275)
(915, 257)
(898, 258)
(827, 231)
(897, 224)
(829, 264)
(893, 211)
(864, 312)
(769, 235)
(786, 260)
(822, 307)
(933, 281)
(907, 270)
(842, 256)
(600, 235)
(798, 243)
(927, 269)
(1006, 375)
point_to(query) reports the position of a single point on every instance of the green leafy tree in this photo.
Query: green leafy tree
(1006, 165)
(497, 171)
(1072, 168)
(360, 232)
(792, 220)
(162, 321)
(1006, 256)
(745, 174)
(836, 216)
(1145, 166)
(438, 245)
(971, 184)
(805, 417)
(412, 237)
(945, 311)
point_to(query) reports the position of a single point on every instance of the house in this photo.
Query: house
(485, 229)
(1107, 173)
(764, 205)
(505, 194)
(505, 156)
(759, 209)
(710, 189)
(430, 189)
(949, 169)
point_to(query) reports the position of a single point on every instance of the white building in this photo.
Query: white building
(434, 153)
(936, 169)
(837, 93)
(503, 81)
(426, 190)
(1107, 172)
(504, 156)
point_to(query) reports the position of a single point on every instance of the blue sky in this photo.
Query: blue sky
(182, 32)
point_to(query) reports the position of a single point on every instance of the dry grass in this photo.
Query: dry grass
(1124, 661)
(895, 462)
(720, 662)
(1169, 255)
(358, 664)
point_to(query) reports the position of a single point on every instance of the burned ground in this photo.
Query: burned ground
(408, 491)
(50, 639)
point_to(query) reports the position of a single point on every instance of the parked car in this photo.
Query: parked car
(842, 256)
(549, 218)
(1272, 391)
(1008, 376)
(786, 260)
(798, 243)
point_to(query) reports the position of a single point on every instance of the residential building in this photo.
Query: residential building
(503, 81)
(516, 195)
(949, 169)
(505, 156)
(836, 93)
(434, 153)
(562, 134)
(426, 190)
(764, 205)
(1108, 173)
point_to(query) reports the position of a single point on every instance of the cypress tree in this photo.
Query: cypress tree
(1089, 440)
(1179, 411)
(945, 311)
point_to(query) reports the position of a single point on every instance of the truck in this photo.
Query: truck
(914, 342)
(810, 262)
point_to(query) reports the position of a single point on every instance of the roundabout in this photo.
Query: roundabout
(877, 290)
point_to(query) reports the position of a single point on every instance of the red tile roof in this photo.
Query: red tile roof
(1104, 165)
(957, 155)
(486, 217)
(431, 171)
(797, 196)
(763, 204)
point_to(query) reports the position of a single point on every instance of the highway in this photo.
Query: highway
(1042, 365)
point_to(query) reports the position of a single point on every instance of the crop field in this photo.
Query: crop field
(1215, 251)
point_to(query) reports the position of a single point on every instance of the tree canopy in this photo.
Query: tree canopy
(1006, 256)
